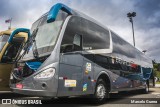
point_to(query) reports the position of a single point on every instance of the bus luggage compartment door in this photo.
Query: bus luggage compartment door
(88, 70)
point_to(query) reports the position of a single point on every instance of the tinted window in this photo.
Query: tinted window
(94, 36)
(120, 46)
(72, 37)
(102, 61)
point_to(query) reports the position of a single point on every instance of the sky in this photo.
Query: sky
(111, 13)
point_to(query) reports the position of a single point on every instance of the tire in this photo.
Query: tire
(146, 89)
(101, 92)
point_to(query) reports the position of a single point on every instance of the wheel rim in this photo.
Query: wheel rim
(101, 91)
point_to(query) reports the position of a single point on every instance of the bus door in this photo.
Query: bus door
(88, 69)
(71, 63)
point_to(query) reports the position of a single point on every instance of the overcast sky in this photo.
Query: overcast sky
(111, 13)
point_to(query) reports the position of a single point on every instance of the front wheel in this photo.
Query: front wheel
(101, 91)
(146, 90)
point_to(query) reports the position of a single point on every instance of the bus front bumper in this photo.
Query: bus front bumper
(39, 88)
(38, 93)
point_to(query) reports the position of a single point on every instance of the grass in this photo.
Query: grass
(158, 82)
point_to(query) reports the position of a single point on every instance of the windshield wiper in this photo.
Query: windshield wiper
(35, 50)
(28, 45)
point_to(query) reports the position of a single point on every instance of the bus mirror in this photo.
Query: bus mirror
(54, 11)
(16, 31)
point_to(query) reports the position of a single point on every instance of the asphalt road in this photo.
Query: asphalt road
(116, 100)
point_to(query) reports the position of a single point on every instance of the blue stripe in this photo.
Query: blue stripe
(54, 11)
(33, 65)
(16, 31)
(147, 74)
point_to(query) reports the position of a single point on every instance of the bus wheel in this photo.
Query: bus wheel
(101, 91)
(146, 90)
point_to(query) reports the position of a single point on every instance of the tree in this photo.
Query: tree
(156, 70)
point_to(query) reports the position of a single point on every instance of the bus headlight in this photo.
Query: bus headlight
(48, 73)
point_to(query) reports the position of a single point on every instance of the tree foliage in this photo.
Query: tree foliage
(156, 69)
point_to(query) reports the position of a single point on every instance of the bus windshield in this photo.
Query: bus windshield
(47, 34)
(3, 40)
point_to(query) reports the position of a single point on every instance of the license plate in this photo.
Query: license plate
(19, 86)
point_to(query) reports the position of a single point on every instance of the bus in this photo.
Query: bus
(11, 42)
(71, 54)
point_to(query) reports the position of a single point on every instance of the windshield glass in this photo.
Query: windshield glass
(46, 35)
(3, 40)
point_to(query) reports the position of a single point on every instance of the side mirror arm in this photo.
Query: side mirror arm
(17, 31)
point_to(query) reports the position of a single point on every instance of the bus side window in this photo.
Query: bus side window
(94, 36)
(76, 45)
(72, 41)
